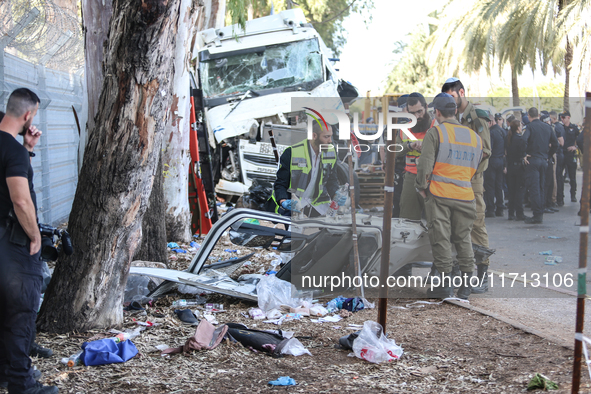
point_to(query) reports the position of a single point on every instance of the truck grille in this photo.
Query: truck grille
(260, 177)
(260, 160)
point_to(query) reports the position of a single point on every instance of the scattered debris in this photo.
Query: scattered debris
(546, 253)
(539, 381)
(186, 316)
(283, 381)
(373, 346)
(206, 337)
(107, 351)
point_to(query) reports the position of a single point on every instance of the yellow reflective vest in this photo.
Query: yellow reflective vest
(300, 172)
(460, 151)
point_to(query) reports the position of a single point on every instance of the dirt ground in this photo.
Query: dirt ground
(447, 349)
(467, 353)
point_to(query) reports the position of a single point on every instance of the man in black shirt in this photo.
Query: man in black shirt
(571, 132)
(493, 176)
(20, 242)
(541, 144)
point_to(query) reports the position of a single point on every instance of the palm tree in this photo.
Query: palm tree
(517, 32)
(572, 38)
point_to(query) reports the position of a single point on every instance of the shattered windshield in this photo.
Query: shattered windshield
(275, 66)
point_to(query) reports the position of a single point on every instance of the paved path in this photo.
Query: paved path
(518, 246)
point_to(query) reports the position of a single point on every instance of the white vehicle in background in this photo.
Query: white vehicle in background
(247, 79)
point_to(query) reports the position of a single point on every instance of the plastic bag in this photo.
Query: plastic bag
(335, 304)
(373, 346)
(107, 351)
(256, 314)
(273, 314)
(273, 292)
(258, 194)
(318, 310)
(137, 285)
(46, 276)
(294, 347)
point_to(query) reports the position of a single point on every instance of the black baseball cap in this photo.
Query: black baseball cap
(444, 101)
(401, 102)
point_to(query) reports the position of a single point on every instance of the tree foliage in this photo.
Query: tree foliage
(518, 33)
(326, 16)
(412, 72)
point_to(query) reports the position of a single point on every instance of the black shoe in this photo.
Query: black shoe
(554, 205)
(36, 375)
(38, 388)
(482, 280)
(560, 203)
(549, 210)
(533, 220)
(520, 217)
(186, 316)
(430, 275)
(511, 217)
(490, 215)
(573, 199)
(499, 213)
(455, 273)
(134, 306)
(39, 351)
(405, 271)
(440, 291)
(466, 289)
(554, 209)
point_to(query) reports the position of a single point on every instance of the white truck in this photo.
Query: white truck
(247, 79)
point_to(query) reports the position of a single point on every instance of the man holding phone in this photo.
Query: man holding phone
(20, 243)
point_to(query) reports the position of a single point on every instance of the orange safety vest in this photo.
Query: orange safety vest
(412, 156)
(460, 151)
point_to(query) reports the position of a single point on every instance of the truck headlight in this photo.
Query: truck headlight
(253, 132)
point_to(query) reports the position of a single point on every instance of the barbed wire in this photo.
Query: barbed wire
(55, 32)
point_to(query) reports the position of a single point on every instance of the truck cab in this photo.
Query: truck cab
(247, 79)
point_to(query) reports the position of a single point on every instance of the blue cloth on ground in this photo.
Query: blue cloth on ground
(283, 381)
(107, 351)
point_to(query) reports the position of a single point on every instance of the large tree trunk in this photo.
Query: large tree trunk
(176, 146)
(176, 156)
(86, 290)
(514, 87)
(212, 15)
(153, 246)
(568, 59)
(96, 16)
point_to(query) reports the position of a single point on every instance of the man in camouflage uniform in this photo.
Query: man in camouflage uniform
(475, 119)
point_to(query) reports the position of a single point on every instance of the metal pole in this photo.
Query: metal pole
(360, 291)
(367, 108)
(583, 239)
(387, 227)
(274, 145)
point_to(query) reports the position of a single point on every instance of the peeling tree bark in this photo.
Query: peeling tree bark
(116, 179)
(96, 16)
(175, 151)
(153, 246)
